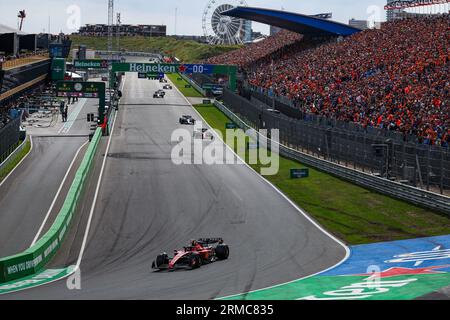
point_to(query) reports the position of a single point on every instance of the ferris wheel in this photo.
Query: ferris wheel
(221, 29)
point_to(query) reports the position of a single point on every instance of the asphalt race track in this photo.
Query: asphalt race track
(147, 205)
(25, 197)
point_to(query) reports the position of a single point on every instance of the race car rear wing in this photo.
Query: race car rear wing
(210, 240)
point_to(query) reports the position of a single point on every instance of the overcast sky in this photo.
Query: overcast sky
(63, 15)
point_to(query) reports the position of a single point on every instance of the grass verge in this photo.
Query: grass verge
(181, 85)
(354, 214)
(186, 50)
(13, 163)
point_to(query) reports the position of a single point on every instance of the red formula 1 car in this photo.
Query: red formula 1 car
(202, 251)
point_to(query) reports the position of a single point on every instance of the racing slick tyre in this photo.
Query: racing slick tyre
(195, 262)
(222, 252)
(162, 259)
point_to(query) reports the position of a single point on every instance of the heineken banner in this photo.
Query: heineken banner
(165, 68)
(90, 64)
(173, 68)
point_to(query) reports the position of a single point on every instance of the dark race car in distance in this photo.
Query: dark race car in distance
(202, 251)
(159, 94)
(167, 87)
(187, 120)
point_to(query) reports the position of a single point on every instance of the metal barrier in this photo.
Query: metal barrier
(9, 138)
(36, 257)
(397, 190)
(155, 54)
(380, 152)
(194, 84)
(13, 154)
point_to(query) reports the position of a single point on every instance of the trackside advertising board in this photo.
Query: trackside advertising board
(166, 68)
(90, 64)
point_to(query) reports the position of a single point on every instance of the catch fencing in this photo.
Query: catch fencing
(380, 153)
(9, 138)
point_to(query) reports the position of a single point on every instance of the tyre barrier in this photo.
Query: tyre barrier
(36, 257)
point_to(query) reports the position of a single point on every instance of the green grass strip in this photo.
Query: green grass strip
(181, 85)
(187, 50)
(354, 214)
(13, 163)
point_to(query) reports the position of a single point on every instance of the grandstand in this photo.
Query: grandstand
(394, 78)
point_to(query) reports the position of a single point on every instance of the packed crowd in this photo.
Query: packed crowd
(248, 55)
(394, 78)
(5, 58)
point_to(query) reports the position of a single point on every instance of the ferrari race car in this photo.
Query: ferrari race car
(202, 251)
(187, 120)
(203, 134)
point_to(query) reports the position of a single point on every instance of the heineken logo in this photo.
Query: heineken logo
(152, 68)
(94, 64)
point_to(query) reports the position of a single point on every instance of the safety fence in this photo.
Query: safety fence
(9, 138)
(11, 157)
(369, 151)
(156, 54)
(245, 117)
(35, 258)
(194, 84)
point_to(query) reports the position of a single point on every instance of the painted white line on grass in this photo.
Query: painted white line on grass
(319, 227)
(36, 238)
(20, 162)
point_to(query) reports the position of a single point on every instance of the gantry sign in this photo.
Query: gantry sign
(91, 90)
(68, 89)
(159, 68)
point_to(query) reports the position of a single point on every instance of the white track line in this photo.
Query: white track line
(97, 190)
(20, 162)
(73, 117)
(77, 266)
(36, 238)
(319, 227)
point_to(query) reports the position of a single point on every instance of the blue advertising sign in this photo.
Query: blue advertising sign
(299, 173)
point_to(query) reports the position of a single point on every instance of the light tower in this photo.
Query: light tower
(110, 46)
(118, 23)
(110, 25)
(22, 15)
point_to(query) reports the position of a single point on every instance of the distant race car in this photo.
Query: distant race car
(200, 252)
(159, 94)
(162, 80)
(167, 87)
(203, 134)
(187, 120)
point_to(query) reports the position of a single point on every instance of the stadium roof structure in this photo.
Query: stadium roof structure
(5, 29)
(304, 24)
